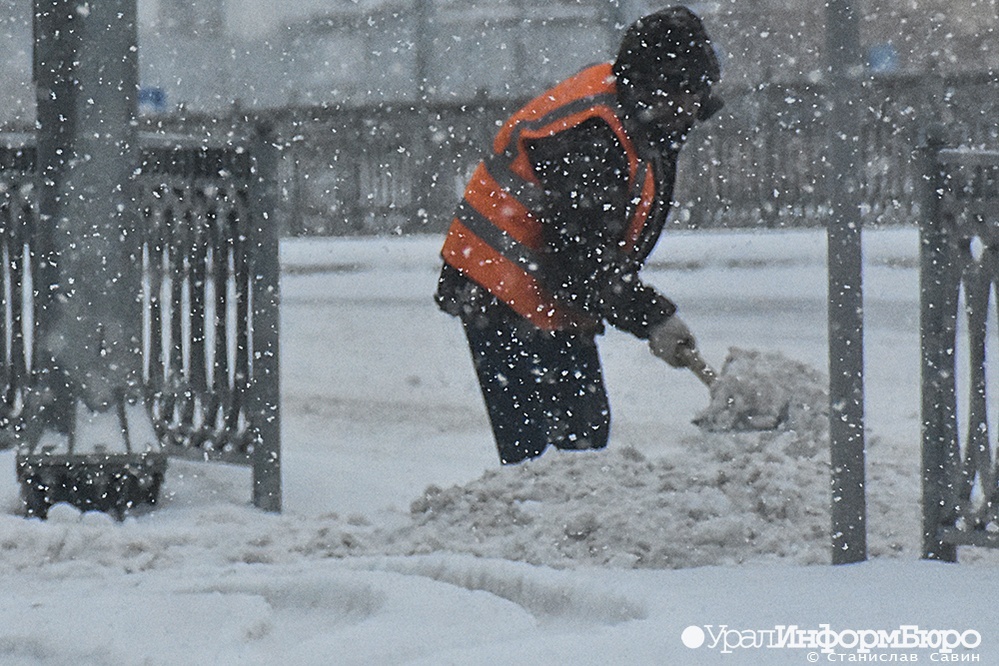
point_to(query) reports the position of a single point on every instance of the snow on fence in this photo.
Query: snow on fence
(210, 297)
(959, 282)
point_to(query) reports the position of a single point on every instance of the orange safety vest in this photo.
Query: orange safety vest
(495, 238)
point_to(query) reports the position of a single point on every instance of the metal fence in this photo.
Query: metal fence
(959, 279)
(210, 294)
(762, 162)
(17, 222)
(379, 169)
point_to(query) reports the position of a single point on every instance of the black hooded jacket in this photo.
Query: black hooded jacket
(584, 174)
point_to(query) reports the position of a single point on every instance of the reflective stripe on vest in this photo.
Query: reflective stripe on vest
(496, 239)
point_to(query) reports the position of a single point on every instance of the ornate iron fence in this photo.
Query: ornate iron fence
(210, 293)
(959, 281)
(762, 162)
(17, 220)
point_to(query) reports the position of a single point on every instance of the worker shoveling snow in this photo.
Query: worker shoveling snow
(753, 485)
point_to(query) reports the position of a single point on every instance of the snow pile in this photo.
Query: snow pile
(725, 497)
(723, 501)
(765, 391)
(722, 496)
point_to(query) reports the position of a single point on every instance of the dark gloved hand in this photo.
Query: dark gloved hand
(670, 340)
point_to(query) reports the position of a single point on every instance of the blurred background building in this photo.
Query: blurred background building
(385, 105)
(207, 55)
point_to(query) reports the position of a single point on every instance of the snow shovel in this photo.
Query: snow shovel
(757, 391)
(695, 362)
(733, 406)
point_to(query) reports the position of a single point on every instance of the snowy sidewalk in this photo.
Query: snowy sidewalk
(403, 541)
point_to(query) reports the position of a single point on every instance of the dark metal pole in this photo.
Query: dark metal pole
(86, 74)
(845, 256)
(936, 327)
(519, 36)
(265, 390)
(423, 47)
(56, 43)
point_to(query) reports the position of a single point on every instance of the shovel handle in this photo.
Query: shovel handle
(693, 360)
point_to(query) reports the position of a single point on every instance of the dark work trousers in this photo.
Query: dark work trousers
(539, 389)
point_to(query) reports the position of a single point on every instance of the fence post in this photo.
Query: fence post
(88, 312)
(265, 387)
(846, 318)
(51, 407)
(936, 364)
(423, 46)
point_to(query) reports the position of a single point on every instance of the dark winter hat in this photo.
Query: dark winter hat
(668, 50)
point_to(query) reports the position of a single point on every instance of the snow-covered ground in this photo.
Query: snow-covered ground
(403, 541)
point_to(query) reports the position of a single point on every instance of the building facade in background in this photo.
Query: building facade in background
(207, 56)
(384, 106)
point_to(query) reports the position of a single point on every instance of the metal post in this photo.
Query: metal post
(520, 36)
(55, 49)
(265, 389)
(613, 16)
(846, 338)
(424, 178)
(423, 44)
(86, 73)
(938, 387)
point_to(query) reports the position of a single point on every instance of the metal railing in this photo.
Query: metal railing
(210, 298)
(17, 221)
(761, 163)
(959, 281)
